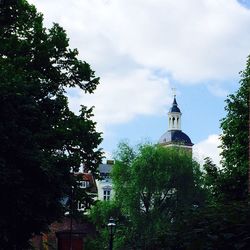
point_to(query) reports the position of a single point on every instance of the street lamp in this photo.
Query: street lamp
(111, 229)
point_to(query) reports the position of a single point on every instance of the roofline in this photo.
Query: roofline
(174, 112)
(177, 144)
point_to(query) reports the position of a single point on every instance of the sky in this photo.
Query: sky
(141, 50)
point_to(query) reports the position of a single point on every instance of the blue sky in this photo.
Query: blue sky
(142, 49)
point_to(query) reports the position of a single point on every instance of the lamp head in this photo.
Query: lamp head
(111, 226)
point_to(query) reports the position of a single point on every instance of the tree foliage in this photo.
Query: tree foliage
(235, 140)
(41, 139)
(218, 226)
(152, 186)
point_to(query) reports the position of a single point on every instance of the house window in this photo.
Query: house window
(80, 206)
(84, 184)
(106, 194)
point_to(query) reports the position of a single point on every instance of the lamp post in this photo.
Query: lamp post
(71, 217)
(111, 229)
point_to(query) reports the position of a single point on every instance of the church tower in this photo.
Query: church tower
(174, 137)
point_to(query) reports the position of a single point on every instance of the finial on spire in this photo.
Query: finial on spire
(174, 92)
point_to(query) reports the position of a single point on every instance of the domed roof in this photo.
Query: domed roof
(175, 137)
(174, 107)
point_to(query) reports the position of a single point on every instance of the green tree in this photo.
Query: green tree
(235, 140)
(211, 180)
(153, 186)
(42, 141)
(217, 226)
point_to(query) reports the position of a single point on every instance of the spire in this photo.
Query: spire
(174, 92)
(174, 107)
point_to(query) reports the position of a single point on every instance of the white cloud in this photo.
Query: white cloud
(126, 42)
(208, 148)
(194, 40)
(119, 98)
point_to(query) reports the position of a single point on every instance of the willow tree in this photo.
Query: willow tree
(153, 186)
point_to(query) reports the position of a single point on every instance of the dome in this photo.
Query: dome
(175, 137)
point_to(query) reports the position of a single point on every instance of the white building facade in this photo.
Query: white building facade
(104, 186)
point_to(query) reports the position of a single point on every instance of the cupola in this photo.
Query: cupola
(174, 135)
